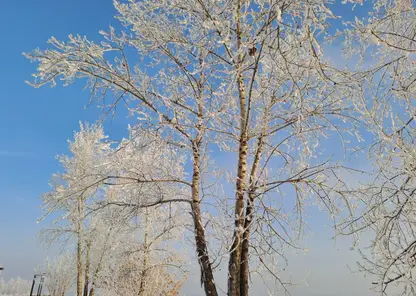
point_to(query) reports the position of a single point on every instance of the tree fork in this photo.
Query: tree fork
(244, 261)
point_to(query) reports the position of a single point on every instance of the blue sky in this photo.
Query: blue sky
(36, 123)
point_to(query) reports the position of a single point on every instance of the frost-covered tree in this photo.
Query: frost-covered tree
(60, 274)
(145, 268)
(67, 198)
(121, 250)
(90, 197)
(247, 77)
(14, 287)
(385, 44)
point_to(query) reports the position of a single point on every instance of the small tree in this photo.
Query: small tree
(94, 197)
(147, 268)
(14, 287)
(60, 274)
(67, 199)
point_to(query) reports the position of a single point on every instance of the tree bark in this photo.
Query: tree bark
(145, 258)
(87, 268)
(244, 263)
(236, 247)
(207, 277)
(100, 263)
(79, 245)
(92, 290)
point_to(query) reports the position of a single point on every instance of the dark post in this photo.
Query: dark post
(42, 278)
(40, 285)
(39, 288)
(33, 285)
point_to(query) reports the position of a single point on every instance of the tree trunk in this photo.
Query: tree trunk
(145, 258)
(236, 247)
(79, 245)
(87, 268)
(92, 290)
(207, 277)
(100, 263)
(244, 263)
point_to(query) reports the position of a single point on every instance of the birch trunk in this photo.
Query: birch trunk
(207, 277)
(87, 268)
(145, 258)
(235, 256)
(100, 263)
(236, 248)
(244, 265)
(79, 246)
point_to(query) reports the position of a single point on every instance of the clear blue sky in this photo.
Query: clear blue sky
(35, 124)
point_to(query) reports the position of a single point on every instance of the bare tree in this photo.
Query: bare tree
(243, 76)
(104, 180)
(384, 42)
(14, 287)
(145, 268)
(60, 274)
(72, 205)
